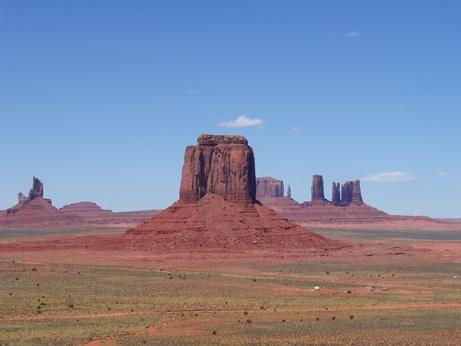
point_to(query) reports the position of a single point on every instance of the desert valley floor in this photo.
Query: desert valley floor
(382, 287)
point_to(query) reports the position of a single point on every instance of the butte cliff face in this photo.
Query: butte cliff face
(336, 194)
(217, 207)
(317, 192)
(222, 165)
(269, 187)
(351, 193)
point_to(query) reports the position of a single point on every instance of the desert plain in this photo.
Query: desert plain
(387, 290)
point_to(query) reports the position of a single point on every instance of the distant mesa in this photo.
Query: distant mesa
(346, 203)
(269, 187)
(33, 200)
(341, 195)
(33, 209)
(217, 207)
(33, 212)
(35, 193)
(87, 208)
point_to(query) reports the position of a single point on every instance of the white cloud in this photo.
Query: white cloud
(352, 34)
(296, 129)
(390, 177)
(242, 121)
(442, 174)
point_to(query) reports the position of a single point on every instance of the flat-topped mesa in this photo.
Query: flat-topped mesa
(336, 194)
(269, 187)
(317, 192)
(222, 165)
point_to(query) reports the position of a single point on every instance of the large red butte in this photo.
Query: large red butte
(217, 207)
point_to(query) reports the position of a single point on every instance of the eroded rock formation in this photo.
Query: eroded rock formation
(336, 194)
(218, 207)
(223, 165)
(289, 192)
(21, 198)
(346, 193)
(35, 194)
(356, 193)
(37, 189)
(317, 192)
(269, 187)
(351, 193)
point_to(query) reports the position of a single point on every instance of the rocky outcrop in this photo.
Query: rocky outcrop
(35, 193)
(346, 193)
(336, 194)
(37, 189)
(21, 198)
(356, 193)
(218, 207)
(269, 187)
(289, 192)
(222, 165)
(317, 192)
(351, 193)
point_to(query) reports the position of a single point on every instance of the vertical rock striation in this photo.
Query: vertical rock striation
(317, 192)
(218, 207)
(351, 193)
(37, 189)
(356, 193)
(269, 187)
(222, 165)
(336, 194)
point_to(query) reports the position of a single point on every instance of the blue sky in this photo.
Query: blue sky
(100, 98)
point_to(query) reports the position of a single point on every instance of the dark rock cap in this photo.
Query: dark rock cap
(213, 140)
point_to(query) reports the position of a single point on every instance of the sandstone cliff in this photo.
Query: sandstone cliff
(269, 187)
(317, 192)
(218, 207)
(223, 165)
